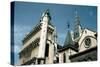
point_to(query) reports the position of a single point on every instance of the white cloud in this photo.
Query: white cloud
(16, 48)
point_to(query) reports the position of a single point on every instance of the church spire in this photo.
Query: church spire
(77, 18)
(77, 26)
(68, 41)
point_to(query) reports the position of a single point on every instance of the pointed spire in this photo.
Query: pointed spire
(77, 26)
(77, 18)
(68, 40)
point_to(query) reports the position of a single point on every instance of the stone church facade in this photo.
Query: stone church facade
(40, 45)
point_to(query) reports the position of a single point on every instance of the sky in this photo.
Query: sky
(28, 14)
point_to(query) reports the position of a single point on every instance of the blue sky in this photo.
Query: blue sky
(28, 14)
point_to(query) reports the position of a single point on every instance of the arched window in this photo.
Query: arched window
(64, 58)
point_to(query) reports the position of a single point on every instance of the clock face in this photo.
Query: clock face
(87, 42)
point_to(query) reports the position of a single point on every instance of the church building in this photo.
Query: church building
(79, 46)
(40, 45)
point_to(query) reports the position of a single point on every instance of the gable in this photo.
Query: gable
(87, 40)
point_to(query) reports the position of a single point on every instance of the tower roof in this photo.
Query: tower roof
(68, 40)
(69, 43)
(46, 13)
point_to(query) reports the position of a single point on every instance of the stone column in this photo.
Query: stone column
(36, 62)
(51, 53)
(43, 40)
(42, 61)
(67, 56)
(60, 58)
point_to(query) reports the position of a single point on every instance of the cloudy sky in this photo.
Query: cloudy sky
(27, 15)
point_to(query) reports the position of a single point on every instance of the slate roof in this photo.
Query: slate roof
(69, 43)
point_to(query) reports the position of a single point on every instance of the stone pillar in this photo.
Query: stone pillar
(43, 40)
(67, 56)
(42, 61)
(36, 62)
(60, 58)
(51, 53)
